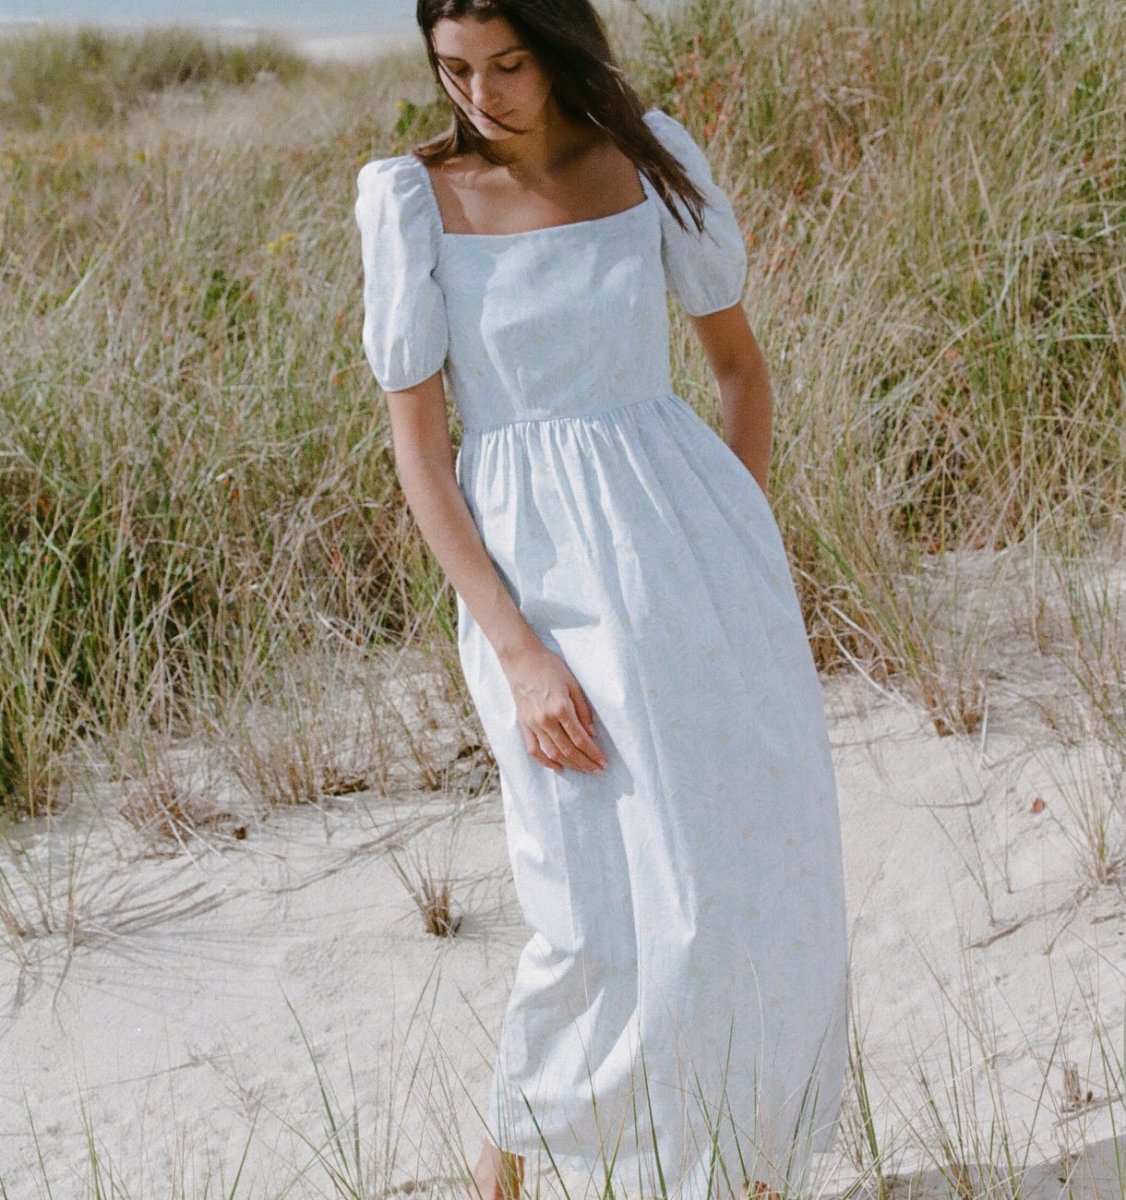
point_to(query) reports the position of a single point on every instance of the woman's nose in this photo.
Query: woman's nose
(482, 93)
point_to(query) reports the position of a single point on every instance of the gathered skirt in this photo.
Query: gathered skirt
(677, 1022)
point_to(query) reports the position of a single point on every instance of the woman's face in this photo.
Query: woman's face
(488, 73)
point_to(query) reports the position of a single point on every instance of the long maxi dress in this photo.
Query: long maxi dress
(678, 1017)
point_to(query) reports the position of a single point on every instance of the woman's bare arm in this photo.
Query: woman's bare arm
(424, 462)
(553, 712)
(746, 399)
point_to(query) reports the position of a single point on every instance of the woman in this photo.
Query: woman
(628, 628)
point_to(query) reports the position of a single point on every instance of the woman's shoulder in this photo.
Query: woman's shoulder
(404, 330)
(399, 175)
(659, 120)
(395, 203)
(395, 192)
(671, 133)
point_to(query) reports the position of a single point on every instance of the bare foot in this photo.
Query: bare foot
(498, 1175)
(758, 1191)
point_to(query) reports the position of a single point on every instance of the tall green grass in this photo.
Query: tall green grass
(195, 468)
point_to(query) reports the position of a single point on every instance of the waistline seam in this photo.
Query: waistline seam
(594, 414)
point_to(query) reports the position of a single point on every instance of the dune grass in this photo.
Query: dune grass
(196, 470)
(934, 199)
(53, 79)
(203, 544)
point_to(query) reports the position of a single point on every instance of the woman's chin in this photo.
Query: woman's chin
(492, 131)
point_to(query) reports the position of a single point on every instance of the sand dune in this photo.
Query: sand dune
(212, 988)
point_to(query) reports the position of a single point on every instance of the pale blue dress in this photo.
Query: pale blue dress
(685, 983)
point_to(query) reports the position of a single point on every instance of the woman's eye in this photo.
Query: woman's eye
(512, 69)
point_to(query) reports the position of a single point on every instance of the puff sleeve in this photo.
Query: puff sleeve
(405, 336)
(704, 271)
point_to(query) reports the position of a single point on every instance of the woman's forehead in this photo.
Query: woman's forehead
(465, 37)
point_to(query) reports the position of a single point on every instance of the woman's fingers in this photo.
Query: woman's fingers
(569, 739)
(532, 745)
(554, 715)
(584, 751)
(564, 743)
(560, 745)
(580, 727)
(582, 707)
(556, 748)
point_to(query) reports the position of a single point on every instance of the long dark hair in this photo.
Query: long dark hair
(569, 41)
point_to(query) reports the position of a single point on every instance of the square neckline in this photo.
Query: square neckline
(586, 221)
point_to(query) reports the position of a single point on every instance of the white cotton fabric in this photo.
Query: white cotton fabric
(685, 982)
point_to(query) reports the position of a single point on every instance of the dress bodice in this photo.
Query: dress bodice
(566, 320)
(559, 321)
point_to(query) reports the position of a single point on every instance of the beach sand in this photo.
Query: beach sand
(245, 995)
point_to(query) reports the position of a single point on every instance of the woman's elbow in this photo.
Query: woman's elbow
(732, 348)
(422, 469)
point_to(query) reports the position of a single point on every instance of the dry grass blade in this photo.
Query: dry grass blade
(432, 894)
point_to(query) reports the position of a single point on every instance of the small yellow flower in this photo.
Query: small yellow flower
(281, 243)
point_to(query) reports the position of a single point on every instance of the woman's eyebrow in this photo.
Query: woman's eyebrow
(499, 53)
